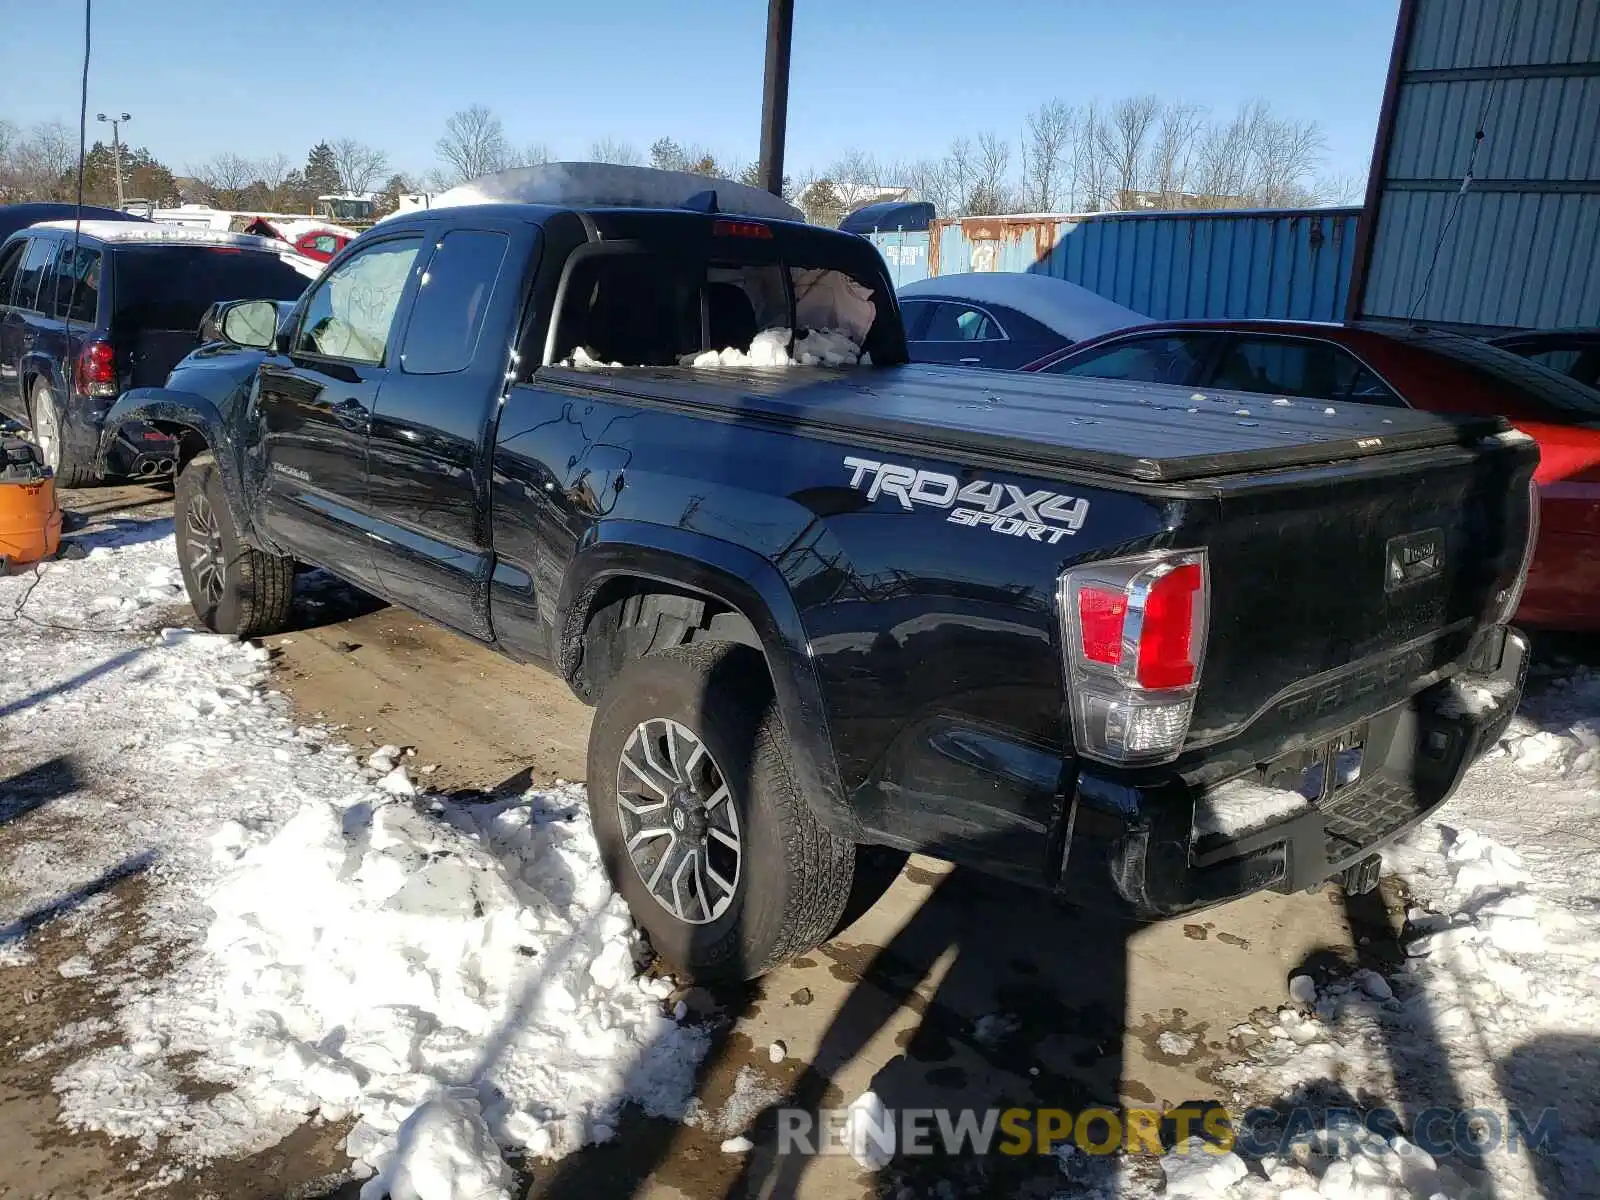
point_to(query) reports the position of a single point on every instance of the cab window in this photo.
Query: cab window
(351, 313)
(452, 297)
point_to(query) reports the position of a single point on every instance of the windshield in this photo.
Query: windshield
(1564, 400)
(171, 287)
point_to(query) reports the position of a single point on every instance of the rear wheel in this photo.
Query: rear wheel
(45, 419)
(700, 824)
(233, 587)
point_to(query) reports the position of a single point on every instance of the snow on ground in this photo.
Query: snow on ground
(456, 980)
(452, 978)
(1498, 1002)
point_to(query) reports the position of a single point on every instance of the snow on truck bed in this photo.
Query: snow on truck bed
(456, 979)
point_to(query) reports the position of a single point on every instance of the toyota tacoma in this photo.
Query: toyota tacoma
(1146, 649)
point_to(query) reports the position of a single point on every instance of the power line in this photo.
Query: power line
(1472, 159)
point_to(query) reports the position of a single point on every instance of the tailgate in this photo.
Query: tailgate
(1339, 591)
(150, 355)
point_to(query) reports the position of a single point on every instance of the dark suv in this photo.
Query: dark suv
(87, 314)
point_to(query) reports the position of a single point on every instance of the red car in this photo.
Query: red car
(1419, 368)
(313, 238)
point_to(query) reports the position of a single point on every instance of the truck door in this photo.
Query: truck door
(429, 450)
(315, 406)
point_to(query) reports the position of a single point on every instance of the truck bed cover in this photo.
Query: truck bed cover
(1146, 432)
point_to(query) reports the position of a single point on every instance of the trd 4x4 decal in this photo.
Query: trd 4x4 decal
(1002, 507)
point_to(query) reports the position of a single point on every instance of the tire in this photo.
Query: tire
(233, 587)
(792, 877)
(44, 418)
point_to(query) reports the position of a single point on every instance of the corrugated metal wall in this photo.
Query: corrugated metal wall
(1292, 263)
(1519, 246)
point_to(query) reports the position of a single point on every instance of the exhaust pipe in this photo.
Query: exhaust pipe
(154, 468)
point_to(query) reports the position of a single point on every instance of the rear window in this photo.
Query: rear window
(170, 287)
(641, 308)
(1563, 400)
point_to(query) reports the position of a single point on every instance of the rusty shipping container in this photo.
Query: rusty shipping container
(1290, 263)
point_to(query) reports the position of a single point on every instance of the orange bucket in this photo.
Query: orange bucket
(30, 518)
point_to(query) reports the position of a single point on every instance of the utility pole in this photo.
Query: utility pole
(116, 146)
(775, 93)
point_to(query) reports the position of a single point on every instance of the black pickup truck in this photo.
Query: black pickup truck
(1146, 649)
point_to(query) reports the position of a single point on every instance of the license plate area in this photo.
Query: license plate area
(1323, 771)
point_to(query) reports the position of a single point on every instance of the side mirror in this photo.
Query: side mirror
(252, 324)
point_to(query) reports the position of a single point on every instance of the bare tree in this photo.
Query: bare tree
(1123, 136)
(1177, 128)
(611, 150)
(1222, 163)
(226, 178)
(359, 165)
(531, 155)
(41, 163)
(1090, 166)
(474, 144)
(990, 191)
(857, 177)
(1050, 130)
(1347, 187)
(271, 172)
(1283, 153)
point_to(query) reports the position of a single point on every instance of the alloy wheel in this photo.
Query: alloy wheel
(208, 564)
(678, 821)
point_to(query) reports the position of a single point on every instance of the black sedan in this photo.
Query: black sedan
(1003, 320)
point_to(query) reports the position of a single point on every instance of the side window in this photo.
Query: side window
(1563, 360)
(35, 267)
(1293, 367)
(350, 314)
(10, 263)
(961, 323)
(913, 313)
(452, 297)
(1169, 359)
(77, 284)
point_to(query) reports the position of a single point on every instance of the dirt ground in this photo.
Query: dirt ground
(950, 990)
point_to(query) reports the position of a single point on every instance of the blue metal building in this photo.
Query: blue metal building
(1484, 200)
(1290, 263)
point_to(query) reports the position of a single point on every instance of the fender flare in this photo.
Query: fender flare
(40, 366)
(163, 407)
(752, 586)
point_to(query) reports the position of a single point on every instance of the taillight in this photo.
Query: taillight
(747, 229)
(97, 370)
(1511, 598)
(1135, 634)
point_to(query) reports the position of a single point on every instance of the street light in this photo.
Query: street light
(116, 145)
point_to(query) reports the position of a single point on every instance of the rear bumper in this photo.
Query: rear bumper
(138, 450)
(1133, 850)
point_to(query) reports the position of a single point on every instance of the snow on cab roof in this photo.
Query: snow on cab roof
(606, 185)
(176, 235)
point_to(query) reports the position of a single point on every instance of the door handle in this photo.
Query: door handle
(970, 362)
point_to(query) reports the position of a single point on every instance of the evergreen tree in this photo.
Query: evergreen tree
(322, 172)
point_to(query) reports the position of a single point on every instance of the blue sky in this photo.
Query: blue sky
(203, 77)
